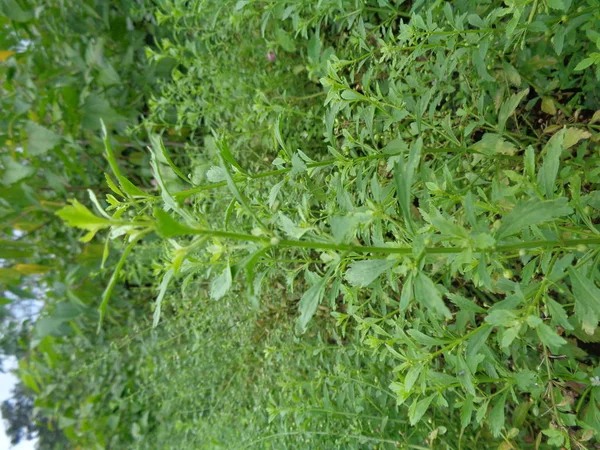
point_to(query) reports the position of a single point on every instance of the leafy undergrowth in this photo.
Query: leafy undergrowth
(373, 225)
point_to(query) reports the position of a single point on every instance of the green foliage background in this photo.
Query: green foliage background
(309, 224)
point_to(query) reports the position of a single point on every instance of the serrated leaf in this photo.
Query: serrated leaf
(428, 295)
(532, 212)
(574, 135)
(493, 144)
(474, 345)
(298, 165)
(549, 337)
(220, 285)
(500, 318)
(525, 379)
(78, 216)
(497, 416)
(290, 228)
(508, 108)
(558, 314)
(309, 302)
(363, 273)
(215, 174)
(587, 300)
(14, 171)
(40, 139)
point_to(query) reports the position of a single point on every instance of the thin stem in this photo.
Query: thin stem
(289, 243)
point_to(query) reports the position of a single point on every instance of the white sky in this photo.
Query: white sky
(7, 381)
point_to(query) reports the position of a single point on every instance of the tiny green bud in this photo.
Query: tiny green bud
(508, 274)
(522, 252)
(582, 248)
(274, 241)
(587, 210)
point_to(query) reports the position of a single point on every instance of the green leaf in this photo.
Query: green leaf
(497, 416)
(549, 170)
(492, 144)
(525, 380)
(587, 300)
(508, 108)
(285, 41)
(14, 171)
(310, 301)
(403, 176)
(112, 282)
(555, 437)
(168, 227)
(314, 47)
(558, 314)
(424, 339)
(215, 174)
(549, 337)
(411, 377)
(13, 11)
(131, 189)
(466, 411)
(474, 345)
(428, 295)
(220, 285)
(584, 64)
(407, 292)
(532, 212)
(574, 135)
(164, 284)
(290, 228)
(418, 408)
(363, 273)
(40, 139)
(77, 215)
(97, 110)
(558, 4)
(500, 318)
(224, 154)
(159, 147)
(465, 304)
